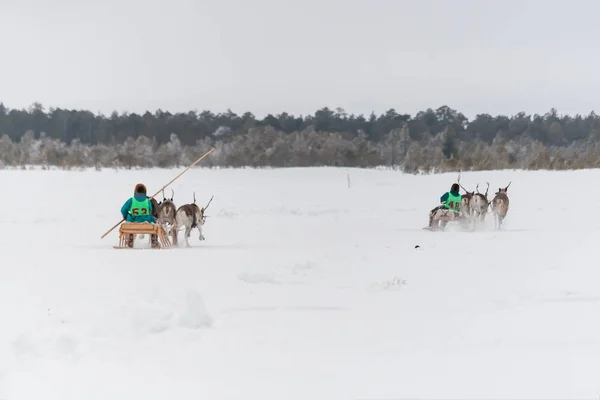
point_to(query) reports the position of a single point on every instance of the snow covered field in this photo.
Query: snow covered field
(303, 289)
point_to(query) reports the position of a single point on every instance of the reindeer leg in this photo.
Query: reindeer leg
(201, 237)
(187, 235)
(443, 225)
(465, 219)
(175, 228)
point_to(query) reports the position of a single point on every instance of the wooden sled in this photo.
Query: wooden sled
(138, 228)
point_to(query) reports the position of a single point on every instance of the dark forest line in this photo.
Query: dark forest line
(89, 128)
(431, 141)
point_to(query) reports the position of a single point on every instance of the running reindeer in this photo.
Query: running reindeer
(479, 205)
(500, 205)
(191, 216)
(166, 215)
(465, 209)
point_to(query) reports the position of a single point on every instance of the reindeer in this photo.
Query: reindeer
(466, 200)
(479, 205)
(191, 216)
(500, 205)
(155, 204)
(166, 214)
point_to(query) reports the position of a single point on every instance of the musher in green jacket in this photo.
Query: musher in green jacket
(450, 201)
(139, 209)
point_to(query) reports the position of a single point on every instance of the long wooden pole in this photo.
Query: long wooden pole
(162, 188)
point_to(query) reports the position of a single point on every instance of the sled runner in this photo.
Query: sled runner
(129, 230)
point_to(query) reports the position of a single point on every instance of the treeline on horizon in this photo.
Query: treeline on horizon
(433, 140)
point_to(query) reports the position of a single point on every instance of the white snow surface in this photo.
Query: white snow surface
(305, 288)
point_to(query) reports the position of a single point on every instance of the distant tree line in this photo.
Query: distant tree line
(430, 141)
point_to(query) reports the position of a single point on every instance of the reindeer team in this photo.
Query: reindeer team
(171, 218)
(474, 205)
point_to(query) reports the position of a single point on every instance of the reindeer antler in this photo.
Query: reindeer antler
(163, 193)
(172, 194)
(461, 186)
(194, 197)
(506, 188)
(477, 188)
(488, 188)
(208, 203)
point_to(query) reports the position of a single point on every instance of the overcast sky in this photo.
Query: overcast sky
(269, 56)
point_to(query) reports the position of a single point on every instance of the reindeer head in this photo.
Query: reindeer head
(503, 190)
(167, 209)
(479, 203)
(167, 199)
(486, 190)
